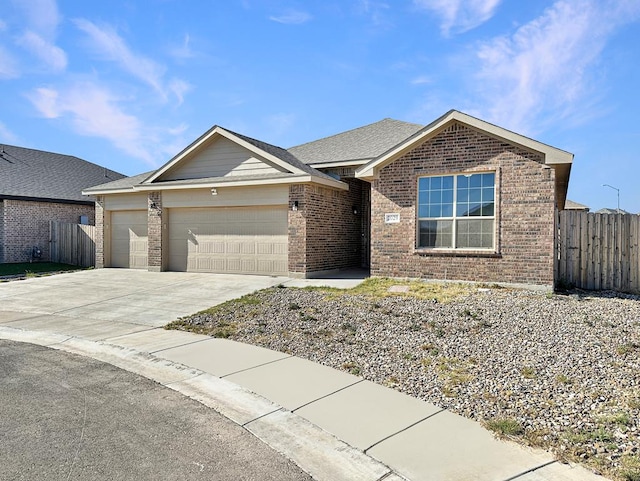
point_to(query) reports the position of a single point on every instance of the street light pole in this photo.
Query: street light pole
(618, 191)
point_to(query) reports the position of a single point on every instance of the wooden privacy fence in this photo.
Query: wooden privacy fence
(73, 243)
(598, 251)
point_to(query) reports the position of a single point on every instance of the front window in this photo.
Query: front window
(456, 211)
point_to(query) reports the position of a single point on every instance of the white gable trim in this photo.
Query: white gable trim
(219, 131)
(552, 155)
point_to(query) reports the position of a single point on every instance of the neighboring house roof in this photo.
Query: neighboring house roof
(46, 176)
(606, 210)
(356, 146)
(571, 205)
(558, 159)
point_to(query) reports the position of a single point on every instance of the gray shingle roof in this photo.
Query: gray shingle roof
(124, 183)
(46, 175)
(363, 143)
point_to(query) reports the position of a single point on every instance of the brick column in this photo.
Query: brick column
(100, 232)
(154, 216)
(297, 231)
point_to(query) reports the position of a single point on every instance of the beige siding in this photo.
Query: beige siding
(220, 158)
(227, 196)
(239, 240)
(125, 201)
(128, 245)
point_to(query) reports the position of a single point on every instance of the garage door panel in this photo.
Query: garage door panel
(129, 239)
(249, 240)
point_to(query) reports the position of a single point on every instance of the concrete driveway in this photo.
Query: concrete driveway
(126, 295)
(79, 303)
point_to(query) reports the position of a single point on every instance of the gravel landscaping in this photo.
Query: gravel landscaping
(559, 371)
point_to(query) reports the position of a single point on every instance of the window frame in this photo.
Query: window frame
(455, 218)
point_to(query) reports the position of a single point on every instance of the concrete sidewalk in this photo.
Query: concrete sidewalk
(332, 424)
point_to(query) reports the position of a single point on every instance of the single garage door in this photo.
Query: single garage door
(129, 239)
(238, 240)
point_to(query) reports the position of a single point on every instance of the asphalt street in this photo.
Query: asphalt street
(67, 417)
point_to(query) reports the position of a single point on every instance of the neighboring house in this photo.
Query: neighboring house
(575, 206)
(457, 199)
(36, 187)
(606, 210)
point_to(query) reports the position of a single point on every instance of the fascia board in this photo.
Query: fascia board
(304, 179)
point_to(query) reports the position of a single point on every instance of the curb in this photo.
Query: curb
(315, 451)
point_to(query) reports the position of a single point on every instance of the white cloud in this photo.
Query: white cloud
(546, 65)
(42, 20)
(292, 17)
(460, 15)
(46, 51)
(42, 16)
(110, 45)
(182, 51)
(179, 88)
(421, 80)
(93, 111)
(375, 10)
(8, 66)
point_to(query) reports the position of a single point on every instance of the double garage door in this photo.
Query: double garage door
(239, 240)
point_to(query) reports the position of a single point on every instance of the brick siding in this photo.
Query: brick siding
(100, 232)
(154, 215)
(324, 233)
(525, 208)
(1, 232)
(26, 225)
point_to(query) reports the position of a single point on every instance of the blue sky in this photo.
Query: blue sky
(129, 83)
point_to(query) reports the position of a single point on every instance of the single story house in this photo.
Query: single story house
(459, 198)
(37, 187)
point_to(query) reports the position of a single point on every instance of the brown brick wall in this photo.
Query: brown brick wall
(26, 224)
(324, 233)
(1, 232)
(525, 209)
(154, 203)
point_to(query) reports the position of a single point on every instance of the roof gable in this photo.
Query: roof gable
(36, 174)
(226, 157)
(220, 157)
(558, 159)
(550, 154)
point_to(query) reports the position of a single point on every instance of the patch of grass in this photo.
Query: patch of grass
(627, 348)
(563, 379)
(352, 368)
(583, 436)
(453, 371)
(620, 419)
(225, 330)
(32, 269)
(634, 401)
(293, 306)
(630, 468)
(378, 287)
(431, 349)
(248, 299)
(528, 372)
(505, 427)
